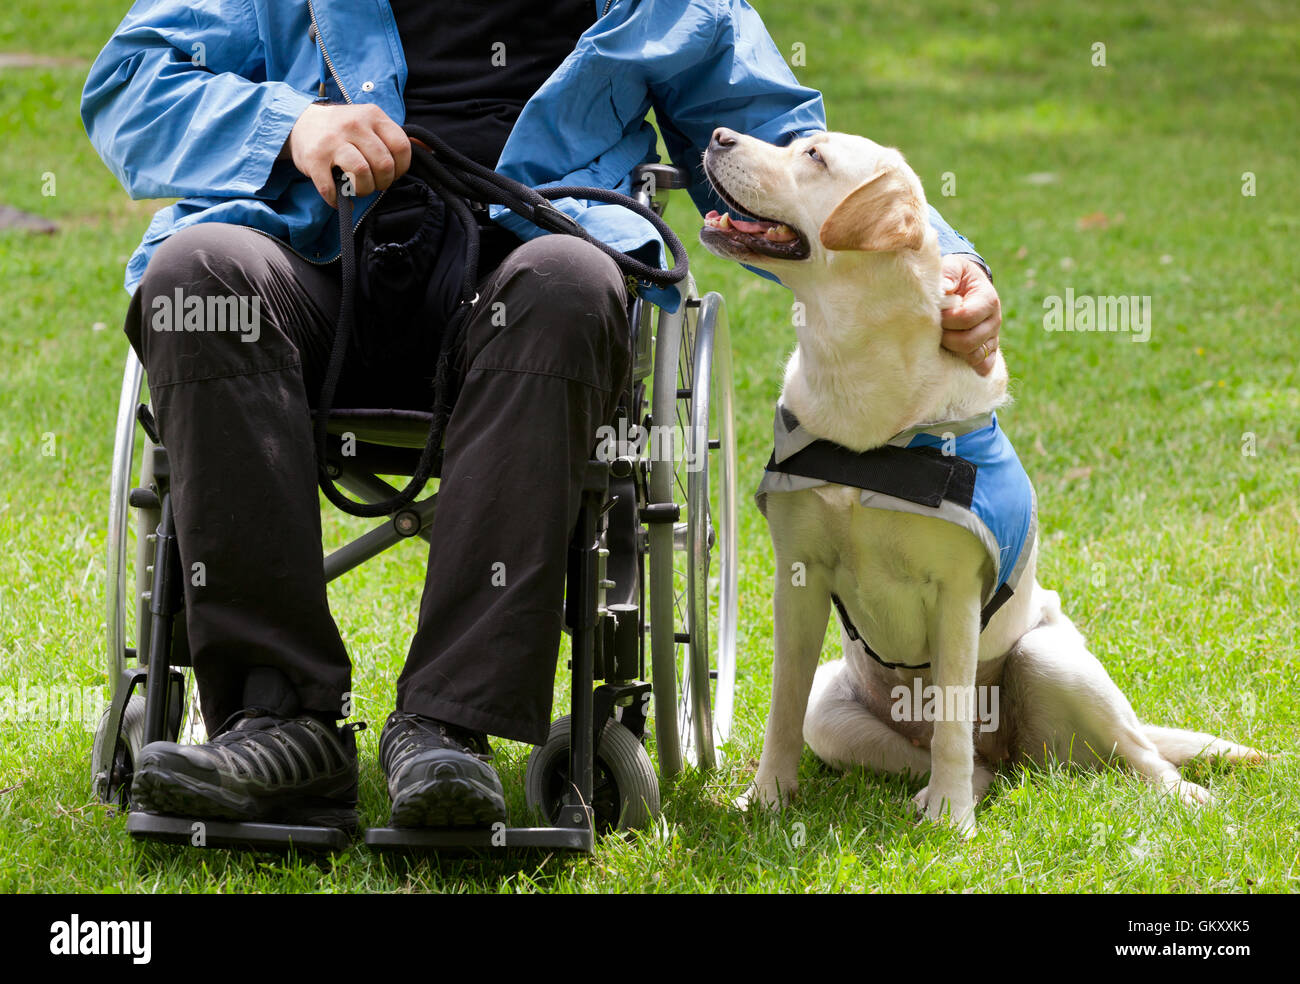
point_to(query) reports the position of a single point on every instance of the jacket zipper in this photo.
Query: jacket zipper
(320, 41)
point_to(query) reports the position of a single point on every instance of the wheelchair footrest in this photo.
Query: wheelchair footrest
(228, 833)
(481, 839)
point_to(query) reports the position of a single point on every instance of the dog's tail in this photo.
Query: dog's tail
(1180, 747)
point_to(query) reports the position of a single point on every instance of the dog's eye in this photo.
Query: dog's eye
(812, 152)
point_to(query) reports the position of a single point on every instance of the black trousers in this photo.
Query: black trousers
(547, 357)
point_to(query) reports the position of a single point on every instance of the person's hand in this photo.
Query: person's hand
(970, 326)
(361, 140)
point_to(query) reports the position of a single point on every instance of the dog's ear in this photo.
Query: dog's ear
(878, 215)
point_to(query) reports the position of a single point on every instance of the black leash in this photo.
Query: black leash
(455, 178)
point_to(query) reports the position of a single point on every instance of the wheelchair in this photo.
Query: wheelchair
(650, 598)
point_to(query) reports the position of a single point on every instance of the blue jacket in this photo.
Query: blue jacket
(194, 99)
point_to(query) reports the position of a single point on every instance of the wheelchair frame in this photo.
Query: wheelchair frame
(639, 514)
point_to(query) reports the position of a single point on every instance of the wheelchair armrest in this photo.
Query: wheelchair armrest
(659, 177)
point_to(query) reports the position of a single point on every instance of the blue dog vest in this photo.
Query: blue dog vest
(965, 472)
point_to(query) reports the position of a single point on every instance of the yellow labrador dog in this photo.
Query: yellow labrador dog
(893, 496)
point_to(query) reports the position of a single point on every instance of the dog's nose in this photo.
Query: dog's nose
(723, 138)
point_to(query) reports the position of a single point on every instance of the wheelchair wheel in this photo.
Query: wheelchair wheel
(130, 566)
(625, 790)
(114, 785)
(693, 566)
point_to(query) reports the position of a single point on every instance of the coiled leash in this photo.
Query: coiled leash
(457, 180)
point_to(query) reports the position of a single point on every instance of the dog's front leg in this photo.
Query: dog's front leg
(801, 614)
(955, 627)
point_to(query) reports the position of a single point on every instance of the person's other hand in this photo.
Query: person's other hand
(970, 327)
(361, 140)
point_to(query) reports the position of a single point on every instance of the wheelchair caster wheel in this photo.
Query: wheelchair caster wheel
(114, 786)
(625, 790)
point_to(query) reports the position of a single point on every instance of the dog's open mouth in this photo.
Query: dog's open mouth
(752, 234)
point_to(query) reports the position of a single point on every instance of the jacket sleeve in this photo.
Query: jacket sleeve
(741, 81)
(734, 77)
(952, 241)
(177, 104)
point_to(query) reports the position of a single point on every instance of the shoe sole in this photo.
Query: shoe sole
(174, 794)
(448, 798)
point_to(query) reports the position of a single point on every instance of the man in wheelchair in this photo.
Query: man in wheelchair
(242, 112)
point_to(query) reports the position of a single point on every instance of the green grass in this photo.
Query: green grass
(1175, 553)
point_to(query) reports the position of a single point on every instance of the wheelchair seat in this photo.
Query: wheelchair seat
(393, 428)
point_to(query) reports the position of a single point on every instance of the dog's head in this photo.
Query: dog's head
(795, 209)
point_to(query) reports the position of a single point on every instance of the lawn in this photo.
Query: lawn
(1167, 471)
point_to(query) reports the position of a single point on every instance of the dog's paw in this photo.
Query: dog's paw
(1190, 794)
(936, 805)
(1253, 756)
(766, 794)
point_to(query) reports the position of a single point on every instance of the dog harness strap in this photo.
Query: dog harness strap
(856, 636)
(925, 476)
(999, 599)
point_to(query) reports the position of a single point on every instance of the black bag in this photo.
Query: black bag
(410, 269)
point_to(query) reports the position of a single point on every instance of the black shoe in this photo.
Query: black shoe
(438, 774)
(263, 768)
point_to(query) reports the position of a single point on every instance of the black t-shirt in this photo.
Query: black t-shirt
(471, 66)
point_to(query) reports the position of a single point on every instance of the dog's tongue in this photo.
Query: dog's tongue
(753, 228)
(756, 228)
(774, 231)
